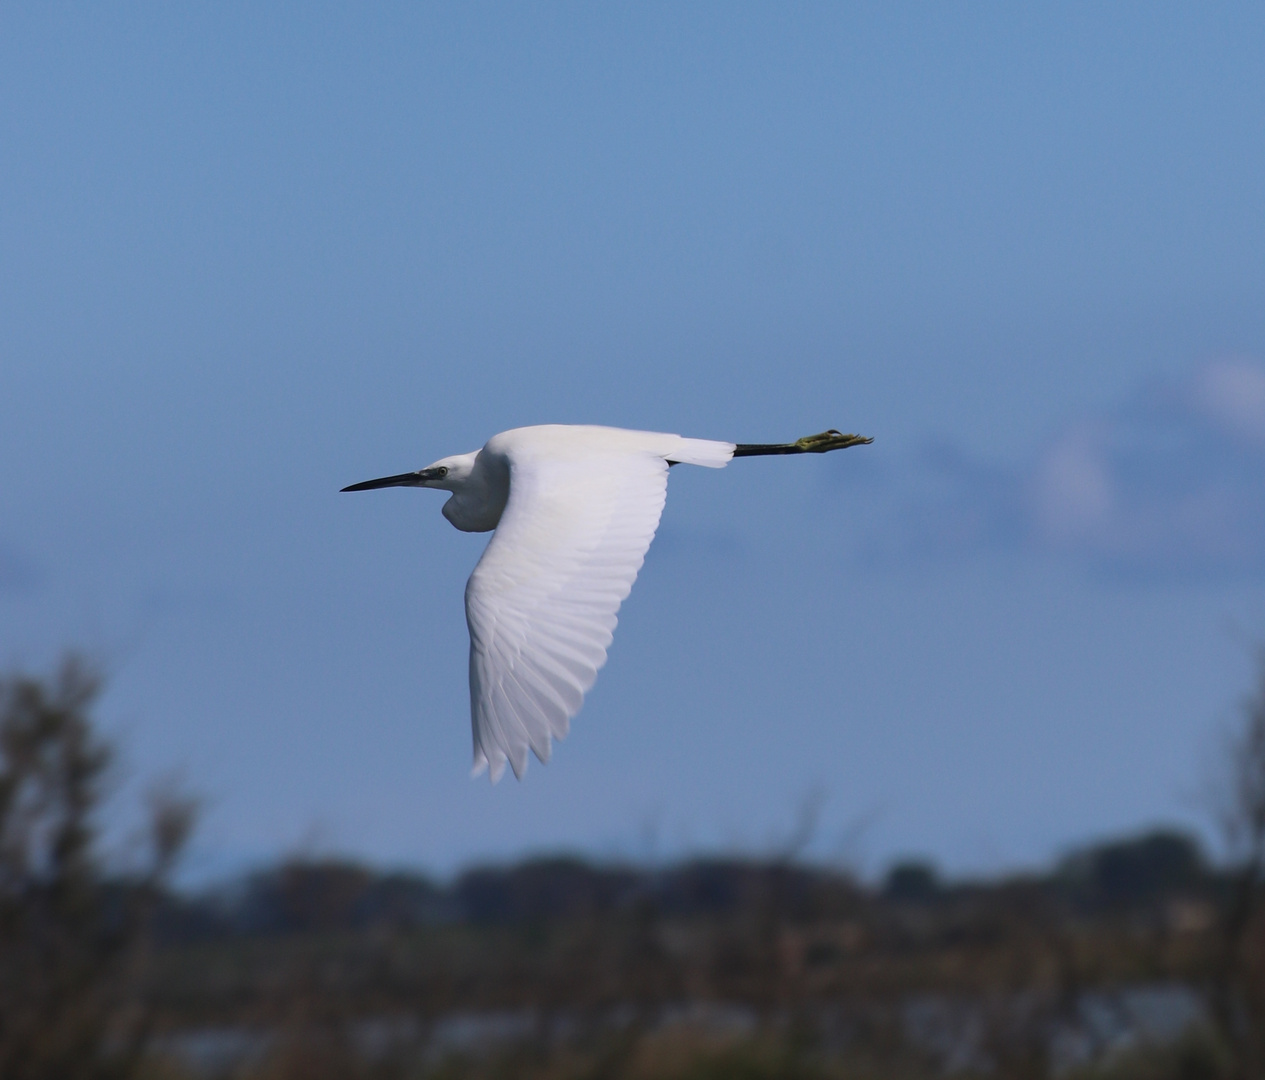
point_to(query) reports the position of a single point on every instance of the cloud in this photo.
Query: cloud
(1168, 483)
(1232, 395)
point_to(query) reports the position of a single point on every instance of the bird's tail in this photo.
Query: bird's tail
(705, 452)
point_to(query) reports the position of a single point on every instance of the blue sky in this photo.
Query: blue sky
(251, 254)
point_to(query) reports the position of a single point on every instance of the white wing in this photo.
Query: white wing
(542, 602)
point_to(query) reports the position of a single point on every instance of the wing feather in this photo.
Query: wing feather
(543, 602)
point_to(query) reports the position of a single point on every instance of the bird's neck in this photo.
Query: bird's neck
(478, 499)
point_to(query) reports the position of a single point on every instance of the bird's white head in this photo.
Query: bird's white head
(479, 491)
(446, 474)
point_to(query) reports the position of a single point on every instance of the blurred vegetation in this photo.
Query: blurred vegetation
(1132, 958)
(73, 939)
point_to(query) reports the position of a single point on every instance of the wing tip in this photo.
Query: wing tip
(495, 767)
(542, 751)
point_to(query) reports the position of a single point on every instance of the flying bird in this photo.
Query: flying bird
(574, 509)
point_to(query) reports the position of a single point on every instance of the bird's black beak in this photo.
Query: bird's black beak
(408, 479)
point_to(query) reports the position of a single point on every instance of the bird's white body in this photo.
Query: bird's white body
(574, 509)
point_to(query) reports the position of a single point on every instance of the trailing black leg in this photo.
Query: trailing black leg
(809, 444)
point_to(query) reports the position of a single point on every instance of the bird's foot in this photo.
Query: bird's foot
(829, 440)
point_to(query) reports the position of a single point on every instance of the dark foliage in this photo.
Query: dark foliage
(72, 940)
(322, 896)
(1129, 873)
(541, 889)
(916, 881)
(305, 897)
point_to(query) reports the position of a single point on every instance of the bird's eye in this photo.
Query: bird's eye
(442, 470)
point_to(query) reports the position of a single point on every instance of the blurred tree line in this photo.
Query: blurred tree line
(1130, 958)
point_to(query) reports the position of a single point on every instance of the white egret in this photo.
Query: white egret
(574, 509)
